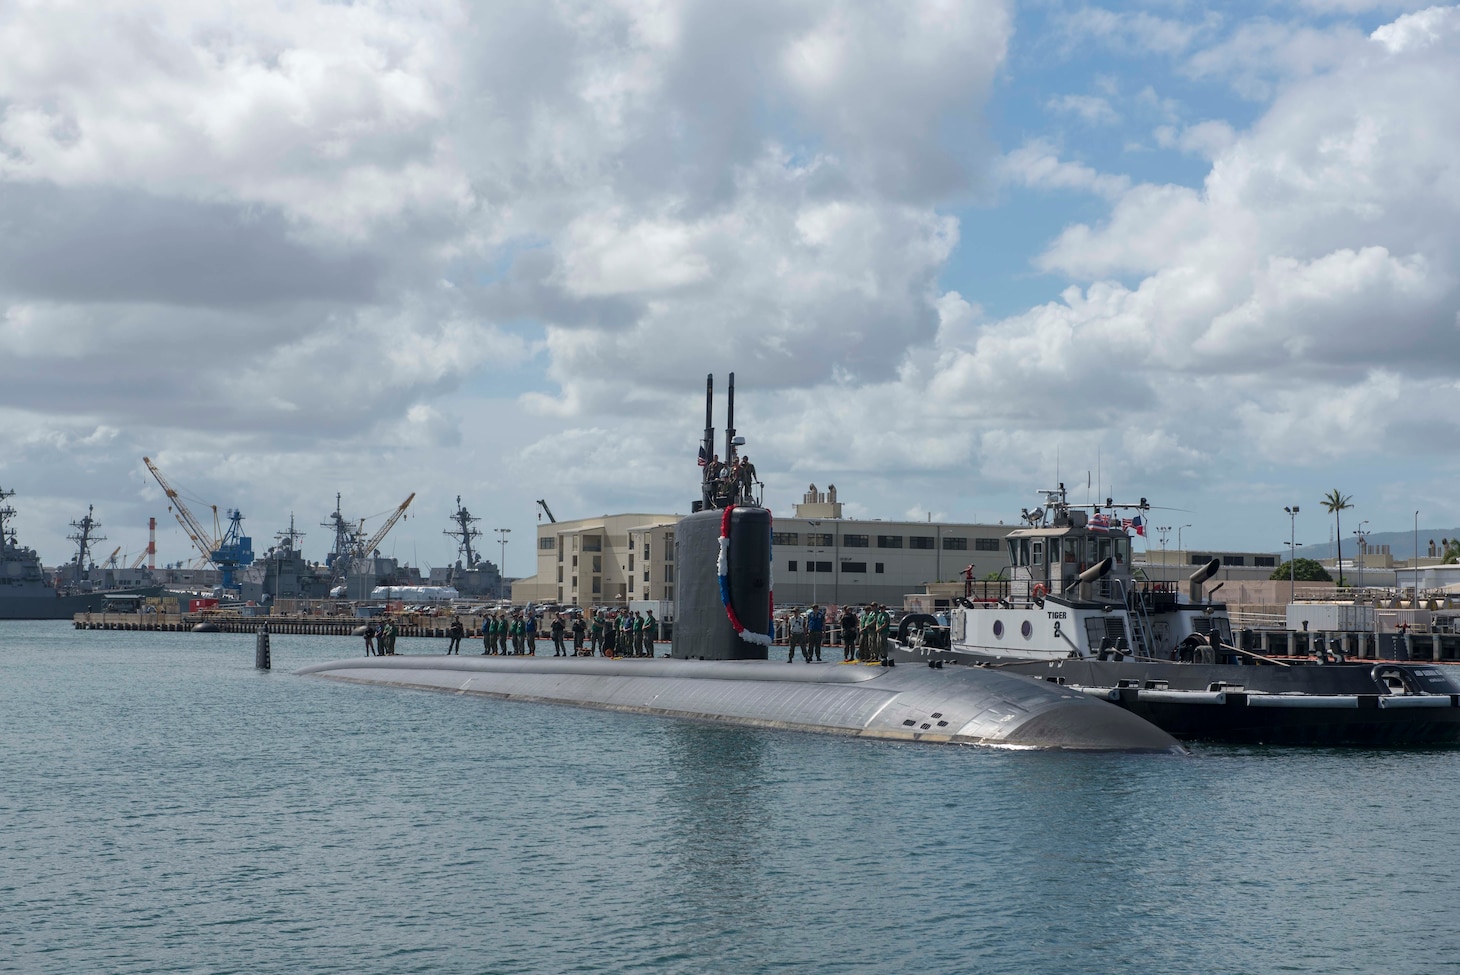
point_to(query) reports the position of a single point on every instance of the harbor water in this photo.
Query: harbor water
(165, 807)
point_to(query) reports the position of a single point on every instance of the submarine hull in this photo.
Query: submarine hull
(960, 706)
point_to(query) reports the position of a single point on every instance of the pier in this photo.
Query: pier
(434, 626)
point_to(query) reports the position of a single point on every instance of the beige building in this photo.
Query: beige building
(609, 560)
(818, 556)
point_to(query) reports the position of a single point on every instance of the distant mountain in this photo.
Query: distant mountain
(1401, 544)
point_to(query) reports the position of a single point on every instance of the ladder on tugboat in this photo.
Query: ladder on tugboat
(1143, 635)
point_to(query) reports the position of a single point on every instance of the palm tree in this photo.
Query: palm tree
(1336, 501)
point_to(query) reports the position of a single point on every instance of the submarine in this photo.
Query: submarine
(719, 668)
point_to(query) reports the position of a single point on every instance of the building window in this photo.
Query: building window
(819, 538)
(878, 567)
(920, 541)
(631, 561)
(560, 573)
(597, 563)
(1234, 560)
(791, 566)
(669, 593)
(1264, 561)
(631, 583)
(669, 573)
(646, 575)
(785, 538)
(597, 585)
(560, 594)
(889, 541)
(854, 568)
(669, 546)
(575, 561)
(547, 542)
(854, 541)
(955, 544)
(821, 566)
(986, 544)
(1200, 559)
(593, 543)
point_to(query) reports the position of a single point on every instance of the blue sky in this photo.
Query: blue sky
(949, 249)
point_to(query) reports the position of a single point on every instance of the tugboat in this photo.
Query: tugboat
(1073, 614)
(26, 593)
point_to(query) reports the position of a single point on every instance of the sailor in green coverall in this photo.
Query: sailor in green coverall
(651, 630)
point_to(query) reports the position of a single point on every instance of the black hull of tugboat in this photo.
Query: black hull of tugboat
(1349, 704)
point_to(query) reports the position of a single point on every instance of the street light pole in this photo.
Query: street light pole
(1416, 558)
(1178, 540)
(1165, 531)
(1363, 544)
(812, 552)
(1292, 552)
(502, 534)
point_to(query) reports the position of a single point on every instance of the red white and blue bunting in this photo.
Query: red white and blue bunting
(722, 568)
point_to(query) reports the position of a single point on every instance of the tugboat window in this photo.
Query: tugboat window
(1026, 629)
(1038, 553)
(998, 629)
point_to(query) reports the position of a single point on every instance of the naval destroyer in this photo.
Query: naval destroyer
(719, 669)
(27, 594)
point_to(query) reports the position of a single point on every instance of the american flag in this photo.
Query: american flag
(1134, 524)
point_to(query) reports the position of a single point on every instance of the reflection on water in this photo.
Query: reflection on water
(166, 808)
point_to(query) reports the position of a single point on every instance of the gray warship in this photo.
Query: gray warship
(27, 594)
(719, 671)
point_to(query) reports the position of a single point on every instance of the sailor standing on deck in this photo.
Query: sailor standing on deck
(455, 632)
(651, 630)
(558, 628)
(849, 634)
(815, 630)
(796, 637)
(369, 639)
(866, 628)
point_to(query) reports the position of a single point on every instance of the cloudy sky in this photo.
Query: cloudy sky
(952, 251)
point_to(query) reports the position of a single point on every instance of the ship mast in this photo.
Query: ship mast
(7, 535)
(464, 533)
(83, 538)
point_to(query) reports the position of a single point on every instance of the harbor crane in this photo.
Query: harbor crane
(228, 549)
(358, 548)
(547, 511)
(373, 545)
